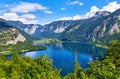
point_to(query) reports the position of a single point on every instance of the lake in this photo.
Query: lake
(64, 55)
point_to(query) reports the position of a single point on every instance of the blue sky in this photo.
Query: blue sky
(46, 11)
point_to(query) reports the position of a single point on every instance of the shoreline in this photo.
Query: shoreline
(24, 51)
(102, 46)
(7, 54)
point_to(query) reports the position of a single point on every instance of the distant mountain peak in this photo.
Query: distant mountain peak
(117, 12)
(102, 13)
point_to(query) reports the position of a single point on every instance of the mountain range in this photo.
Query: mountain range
(101, 28)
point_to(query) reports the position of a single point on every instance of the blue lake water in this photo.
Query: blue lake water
(64, 55)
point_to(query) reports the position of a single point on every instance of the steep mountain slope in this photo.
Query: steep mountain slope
(56, 29)
(9, 34)
(102, 27)
(29, 30)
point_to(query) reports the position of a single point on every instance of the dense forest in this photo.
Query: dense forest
(20, 47)
(42, 67)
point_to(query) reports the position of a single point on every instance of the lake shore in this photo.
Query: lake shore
(5, 53)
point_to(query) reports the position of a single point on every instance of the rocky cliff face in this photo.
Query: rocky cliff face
(9, 34)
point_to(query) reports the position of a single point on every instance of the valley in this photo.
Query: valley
(77, 47)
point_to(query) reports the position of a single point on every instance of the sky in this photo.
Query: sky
(46, 11)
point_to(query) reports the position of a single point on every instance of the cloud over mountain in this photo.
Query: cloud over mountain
(25, 18)
(111, 7)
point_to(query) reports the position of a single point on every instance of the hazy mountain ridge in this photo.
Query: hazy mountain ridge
(101, 25)
(30, 29)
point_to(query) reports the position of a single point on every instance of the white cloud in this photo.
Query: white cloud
(25, 7)
(2, 11)
(13, 16)
(75, 3)
(62, 8)
(92, 11)
(21, 12)
(89, 14)
(66, 18)
(80, 3)
(111, 7)
(76, 17)
(7, 5)
(28, 16)
(48, 12)
(8, 16)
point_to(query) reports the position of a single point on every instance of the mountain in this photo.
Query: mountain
(9, 34)
(101, 28)
(56, 29)
(94, 29)
(53, 29)
(28, 29)
(3, 24)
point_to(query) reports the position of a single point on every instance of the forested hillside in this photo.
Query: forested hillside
(42, 67)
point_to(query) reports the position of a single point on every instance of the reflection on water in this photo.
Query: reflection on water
(64, 55)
